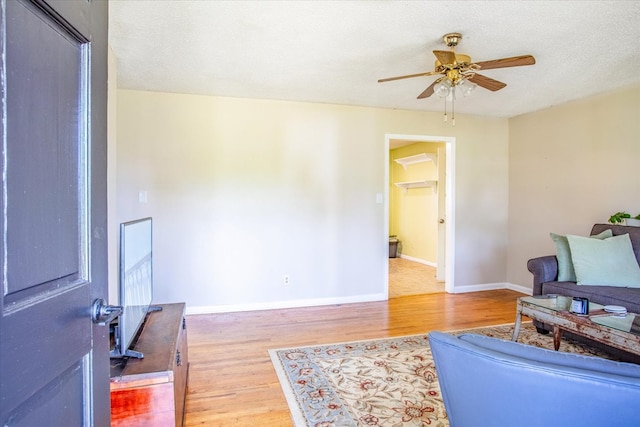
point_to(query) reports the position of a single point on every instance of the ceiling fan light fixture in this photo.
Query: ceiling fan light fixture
(458, 71)
(466, 87)
(443, 88)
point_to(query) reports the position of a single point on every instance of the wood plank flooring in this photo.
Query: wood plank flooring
(231, 378)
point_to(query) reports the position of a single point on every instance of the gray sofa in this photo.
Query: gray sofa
(490, 382)
(545, 275)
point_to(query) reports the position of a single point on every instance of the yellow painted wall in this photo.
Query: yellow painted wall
(413, 214)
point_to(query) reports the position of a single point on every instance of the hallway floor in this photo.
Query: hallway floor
(412, 278)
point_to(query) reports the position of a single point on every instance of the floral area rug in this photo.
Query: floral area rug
(386, 382)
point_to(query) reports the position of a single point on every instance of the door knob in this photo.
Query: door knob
(102, 313)
(441, 221)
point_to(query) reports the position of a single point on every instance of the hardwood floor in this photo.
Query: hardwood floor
(232, 381)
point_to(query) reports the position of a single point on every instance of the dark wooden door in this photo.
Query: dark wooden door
(54, 360)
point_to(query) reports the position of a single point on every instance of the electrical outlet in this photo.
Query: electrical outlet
(285, 280)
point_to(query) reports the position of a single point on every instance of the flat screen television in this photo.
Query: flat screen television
(136, 284)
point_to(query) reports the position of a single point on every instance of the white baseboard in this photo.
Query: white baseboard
(519, 288)
(493, 286)
(233, 308)
(284, 304)
(421, 261)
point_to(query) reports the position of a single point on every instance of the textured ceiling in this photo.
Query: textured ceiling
(334, 51)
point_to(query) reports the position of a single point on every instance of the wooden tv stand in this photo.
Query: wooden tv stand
(151, 391)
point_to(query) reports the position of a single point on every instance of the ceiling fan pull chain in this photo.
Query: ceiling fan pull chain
(445, 109)
(453, 106)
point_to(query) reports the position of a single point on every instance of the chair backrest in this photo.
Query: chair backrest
(490, 382)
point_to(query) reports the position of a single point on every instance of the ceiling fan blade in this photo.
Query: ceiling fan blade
(486, 82)
(428, 91)
(515, 61)
(445, 56)
(408, 76)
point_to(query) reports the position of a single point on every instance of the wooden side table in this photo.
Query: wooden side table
(152, 391)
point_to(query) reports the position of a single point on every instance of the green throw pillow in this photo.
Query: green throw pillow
(566, 273)
(608, 262)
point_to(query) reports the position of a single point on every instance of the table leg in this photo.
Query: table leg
(557, 336)
(516, 326)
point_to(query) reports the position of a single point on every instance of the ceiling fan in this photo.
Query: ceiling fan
(458, 71)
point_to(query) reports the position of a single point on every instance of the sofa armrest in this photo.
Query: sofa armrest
(544, 269)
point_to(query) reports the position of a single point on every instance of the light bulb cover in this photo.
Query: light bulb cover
(466, 87)
(443, 88)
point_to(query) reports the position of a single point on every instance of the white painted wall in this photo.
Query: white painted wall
(570, 166)
(243, 192)
(112, 214)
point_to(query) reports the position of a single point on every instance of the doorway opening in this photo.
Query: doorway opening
(420, 213)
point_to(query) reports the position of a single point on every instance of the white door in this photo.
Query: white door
(441, 257)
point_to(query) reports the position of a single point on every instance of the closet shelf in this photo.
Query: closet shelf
(418, 158)
(418, 184)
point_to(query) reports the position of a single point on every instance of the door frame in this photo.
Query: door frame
(450, 144)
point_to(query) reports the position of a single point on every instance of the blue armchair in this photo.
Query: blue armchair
(491, 382)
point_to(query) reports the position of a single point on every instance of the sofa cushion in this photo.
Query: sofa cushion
(633, 232)
(609, 262)
(603, 295)
(566, 271)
